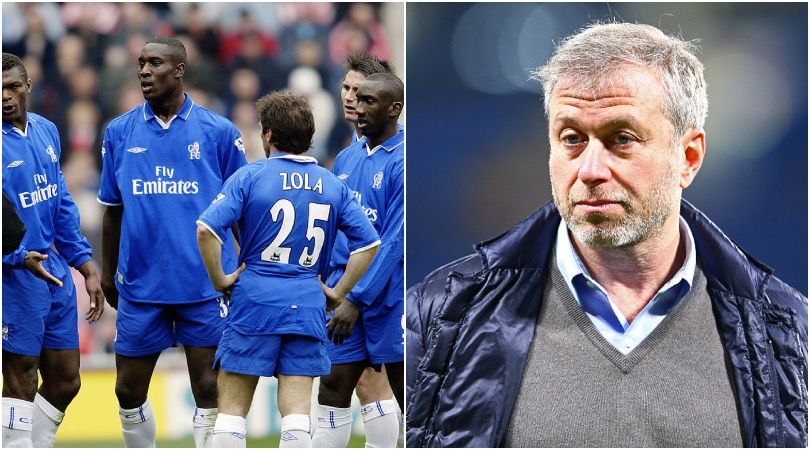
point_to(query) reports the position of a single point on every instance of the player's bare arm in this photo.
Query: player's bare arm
(211, 251)
(93, 287)
(346, 312)
(110, 237)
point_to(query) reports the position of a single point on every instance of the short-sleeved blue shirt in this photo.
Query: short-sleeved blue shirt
(288, 211)
(165, 175)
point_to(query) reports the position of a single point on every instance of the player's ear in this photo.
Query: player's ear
(179, 70)
(395, 109)
(28, 86)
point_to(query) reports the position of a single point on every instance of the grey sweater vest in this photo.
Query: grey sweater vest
(673, 390)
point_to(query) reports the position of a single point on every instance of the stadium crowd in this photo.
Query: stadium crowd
(82, 60)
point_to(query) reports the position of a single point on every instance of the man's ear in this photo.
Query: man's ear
(179, 70)
(693, 146)
(395, 109)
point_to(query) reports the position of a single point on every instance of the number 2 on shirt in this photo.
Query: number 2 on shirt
(275, 252)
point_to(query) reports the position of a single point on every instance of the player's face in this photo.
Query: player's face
(158, 72)
(614, 168)
(373, 107)
(16, 88)
(348, 93)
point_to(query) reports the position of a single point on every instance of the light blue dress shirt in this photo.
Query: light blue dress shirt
(603, 312)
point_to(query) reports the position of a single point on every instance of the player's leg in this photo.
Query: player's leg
(26, 303)
(199, 327)
(349, 359)
(19, 389)
(143, 331)
(302, 359)
(294, 397)
(235, 395)
(60, 385)
(334, 405)
(58, 362)
(378, 409)
(396, 378)
(133, 376)
(204, 389)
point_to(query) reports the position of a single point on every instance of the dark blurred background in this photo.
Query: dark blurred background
(478, 148)
(82, 59)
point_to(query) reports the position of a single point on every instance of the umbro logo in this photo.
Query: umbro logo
(14, 164)
(343, 176)
(136, 150)
(220, 196)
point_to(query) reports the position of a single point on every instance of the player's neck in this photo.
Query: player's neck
(21, 122)
(167, 107)
(390, 131)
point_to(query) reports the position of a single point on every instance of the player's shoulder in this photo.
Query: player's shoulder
(40, 120)
(127, 120)
(212, 119)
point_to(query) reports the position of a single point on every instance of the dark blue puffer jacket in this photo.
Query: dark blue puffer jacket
(470, 324)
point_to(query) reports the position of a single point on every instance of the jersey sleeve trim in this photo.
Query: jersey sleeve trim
(107, 203)
(200, 222)
(362, 249)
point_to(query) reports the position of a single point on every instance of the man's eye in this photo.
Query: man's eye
(571, 139)
(623, 139)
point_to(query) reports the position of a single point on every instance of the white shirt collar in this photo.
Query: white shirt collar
(296, 158)
(571, 265)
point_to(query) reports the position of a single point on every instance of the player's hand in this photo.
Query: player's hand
(225, 283)
(33, 262)
(109, 289)
(342, 322)
(333, 299)
(93, 287)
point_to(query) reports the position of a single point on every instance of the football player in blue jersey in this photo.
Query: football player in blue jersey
(40, 331)
(288, 211)
(373, 169)
(381, 421)
(163, 162)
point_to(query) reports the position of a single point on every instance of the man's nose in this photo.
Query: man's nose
(595, 165)
(6, 95)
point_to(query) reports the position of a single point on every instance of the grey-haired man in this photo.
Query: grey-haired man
(618, 315)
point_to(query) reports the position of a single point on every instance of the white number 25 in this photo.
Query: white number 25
(276, 252)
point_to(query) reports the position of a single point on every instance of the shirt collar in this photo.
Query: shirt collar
(571, 265)
(297, 158)
(183, 113)
(8, 127)
(390, 144)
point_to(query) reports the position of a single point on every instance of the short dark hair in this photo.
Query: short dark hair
(177, 47)
(11, 61)
(393, 85)
(289, 117)
(367, 64)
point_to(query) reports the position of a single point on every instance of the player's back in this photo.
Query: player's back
(288, 210)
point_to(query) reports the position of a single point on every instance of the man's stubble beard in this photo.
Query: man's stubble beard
(642, 218)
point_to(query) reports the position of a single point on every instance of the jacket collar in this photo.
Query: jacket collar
(727, 267)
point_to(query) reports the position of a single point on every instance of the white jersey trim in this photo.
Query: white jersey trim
(106, 203)
(371, 151)
(362, 249)
(296, 158)
(200, 222)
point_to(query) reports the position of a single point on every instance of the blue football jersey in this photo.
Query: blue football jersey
(288, 210)
(376, 176)
(165, 175)
(33, 181)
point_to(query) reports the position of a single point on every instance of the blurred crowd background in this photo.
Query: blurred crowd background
(478, 133)
(82, 60)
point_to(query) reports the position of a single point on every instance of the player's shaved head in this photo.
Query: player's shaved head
(176, 48)
(392, 86)
(11, 61)
(367, 64)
